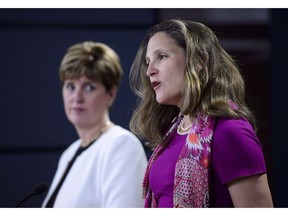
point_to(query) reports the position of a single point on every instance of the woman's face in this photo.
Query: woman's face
(86, 102)
(166, 67)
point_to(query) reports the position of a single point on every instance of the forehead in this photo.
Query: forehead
(161, 42)
(81, 79)
(160, 38)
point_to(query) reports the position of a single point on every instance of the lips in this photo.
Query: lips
(155, 84)
(78, 109)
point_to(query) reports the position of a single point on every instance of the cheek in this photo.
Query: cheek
(97, 104)
(65, 99)
(177, 85)
(66, 103)
(177, 80)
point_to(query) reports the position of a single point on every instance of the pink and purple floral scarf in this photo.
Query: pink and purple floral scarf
(191, 181)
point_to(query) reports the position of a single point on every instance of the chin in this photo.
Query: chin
(166, 102)
(160, 101)
(77, 122)
(163, 102)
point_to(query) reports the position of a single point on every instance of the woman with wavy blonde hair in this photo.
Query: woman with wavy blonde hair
(191, 111)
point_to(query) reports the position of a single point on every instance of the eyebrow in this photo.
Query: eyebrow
(157, 52)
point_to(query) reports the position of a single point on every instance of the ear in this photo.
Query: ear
(112, 93)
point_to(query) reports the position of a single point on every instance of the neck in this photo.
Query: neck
(88, 135)
(185, 125)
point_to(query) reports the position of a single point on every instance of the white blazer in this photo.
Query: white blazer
(108, 174)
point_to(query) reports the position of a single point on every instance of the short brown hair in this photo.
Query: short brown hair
(94, 60)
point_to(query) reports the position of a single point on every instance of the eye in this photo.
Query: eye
(69, 86)
(162, 56)
(89, 87)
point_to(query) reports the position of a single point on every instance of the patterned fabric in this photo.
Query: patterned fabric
(191, 185)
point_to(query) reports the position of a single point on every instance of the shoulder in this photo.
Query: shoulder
(122, 134)
(119, 144)
(236, 150)
(121, 131)
(233, 123)
(233, 128)
(119, 138)
(234, 134)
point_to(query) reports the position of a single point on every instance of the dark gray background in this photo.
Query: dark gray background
(33, 127)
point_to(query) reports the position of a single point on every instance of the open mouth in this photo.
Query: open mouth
(155, 84)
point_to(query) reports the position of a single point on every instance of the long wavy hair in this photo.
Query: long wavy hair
(212, 79)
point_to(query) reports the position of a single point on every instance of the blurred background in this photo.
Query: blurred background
(34, 130)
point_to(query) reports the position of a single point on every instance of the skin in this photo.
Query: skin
(86, 104)
(252, 191)
(166, 67)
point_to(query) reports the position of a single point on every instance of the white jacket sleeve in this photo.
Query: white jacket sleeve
(122, 173)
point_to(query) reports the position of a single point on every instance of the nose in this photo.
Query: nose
(78, 96)
(151, 70)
